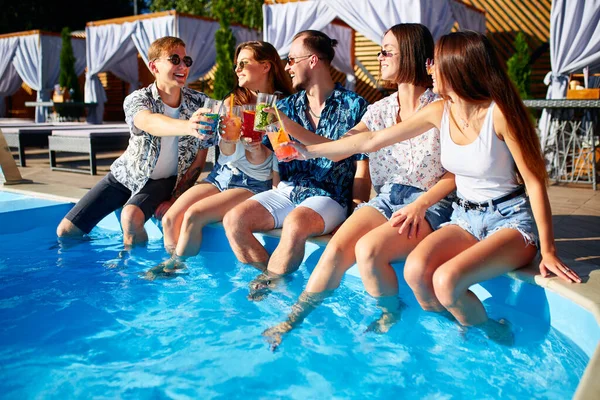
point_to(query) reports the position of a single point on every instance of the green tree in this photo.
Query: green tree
(245, 12)
(225, 44)
(68, 78)
(518, 66)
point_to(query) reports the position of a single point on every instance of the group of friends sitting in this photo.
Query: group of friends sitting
(452, 155)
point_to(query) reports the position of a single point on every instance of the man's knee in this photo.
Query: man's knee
(132, 218)
(67, 229)
(302, 223)
(233, 221)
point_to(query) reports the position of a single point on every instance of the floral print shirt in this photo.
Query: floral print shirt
(134, 167)
(320, 176)
(414, 162)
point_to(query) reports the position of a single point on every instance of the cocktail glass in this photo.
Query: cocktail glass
(248, 116)
(263, 118)
(278, 135)
(213, 107)
(232, 124)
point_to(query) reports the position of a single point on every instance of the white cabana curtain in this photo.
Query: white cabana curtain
(36, 62)
(114, 48)
(199, 38)
(369, 17)
(8, 47)
(574, 44)
(344, 59)
(106, 47)
(467, 18)
(9, 84)
(34, 59)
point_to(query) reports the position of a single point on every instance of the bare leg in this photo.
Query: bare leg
(298, 226)
(132, 223)
(66, 229)
(197, 216)
(173, 219)
(306, 303)
(499, 253)
(240, 223)
(339, 255)
(437, 248)
(374, 253)
(337, 258)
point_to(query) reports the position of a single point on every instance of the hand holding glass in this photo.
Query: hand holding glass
(262, 118)
(212, 115)
(277, 135)
(232, 124)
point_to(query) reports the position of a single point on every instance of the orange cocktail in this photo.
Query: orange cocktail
(232, 125)
(277, 136)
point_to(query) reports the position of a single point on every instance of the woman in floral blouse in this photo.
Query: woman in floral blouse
(408, 179)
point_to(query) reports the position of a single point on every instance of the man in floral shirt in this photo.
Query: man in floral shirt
(165, 154)
(314, 196)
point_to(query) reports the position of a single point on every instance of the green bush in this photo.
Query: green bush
(225, 44)
(68, 78)
(518, 66)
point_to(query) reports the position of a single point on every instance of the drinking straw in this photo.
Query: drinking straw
(231, 105)
(278, 117)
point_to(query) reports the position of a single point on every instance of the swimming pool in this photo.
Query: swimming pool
(77, 321)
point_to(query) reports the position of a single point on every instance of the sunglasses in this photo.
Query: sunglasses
(385, 53)
(292, 60)
(240, 65)
(176, 60)
(429, 66)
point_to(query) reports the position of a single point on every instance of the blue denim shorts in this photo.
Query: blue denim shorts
(510, 214)
(394, 196)
(224, 177)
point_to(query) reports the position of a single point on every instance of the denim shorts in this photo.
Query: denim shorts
(394, 196)
(510, 214)
(224, 177)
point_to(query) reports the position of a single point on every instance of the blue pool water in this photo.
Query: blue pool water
(77, 321)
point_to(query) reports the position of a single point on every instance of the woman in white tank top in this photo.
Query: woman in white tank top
(489, 143)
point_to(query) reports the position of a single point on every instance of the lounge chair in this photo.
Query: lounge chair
(88, 141)
(21, 137)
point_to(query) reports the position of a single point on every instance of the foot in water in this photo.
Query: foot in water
(261, 286)
(167, 269)
(391, 312)
(499, 331)
(274, 334)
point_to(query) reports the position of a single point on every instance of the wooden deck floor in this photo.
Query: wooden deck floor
(576, 210)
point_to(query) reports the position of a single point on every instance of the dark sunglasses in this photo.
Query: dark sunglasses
(429, 66)
(240, 65)
(385, 53)
(292, 60)
(175, 60)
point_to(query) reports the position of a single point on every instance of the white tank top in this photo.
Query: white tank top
(484, 169)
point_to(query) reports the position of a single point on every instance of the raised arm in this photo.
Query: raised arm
(540, 205)
(161, 125)
(307, 137)
(367, 142)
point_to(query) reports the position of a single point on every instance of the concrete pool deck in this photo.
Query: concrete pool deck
(576, 218)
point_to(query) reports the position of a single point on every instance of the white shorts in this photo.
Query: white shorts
(277, 202)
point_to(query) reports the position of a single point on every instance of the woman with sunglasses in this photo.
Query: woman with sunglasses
(408, 179)
(489, 142)
(242, 169)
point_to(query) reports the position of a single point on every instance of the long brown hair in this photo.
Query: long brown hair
(468, 63)
(263, 52)
(415, 46)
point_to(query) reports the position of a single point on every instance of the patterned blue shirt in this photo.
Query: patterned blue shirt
(321, 176)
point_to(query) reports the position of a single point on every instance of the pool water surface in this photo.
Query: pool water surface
(77, 320)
